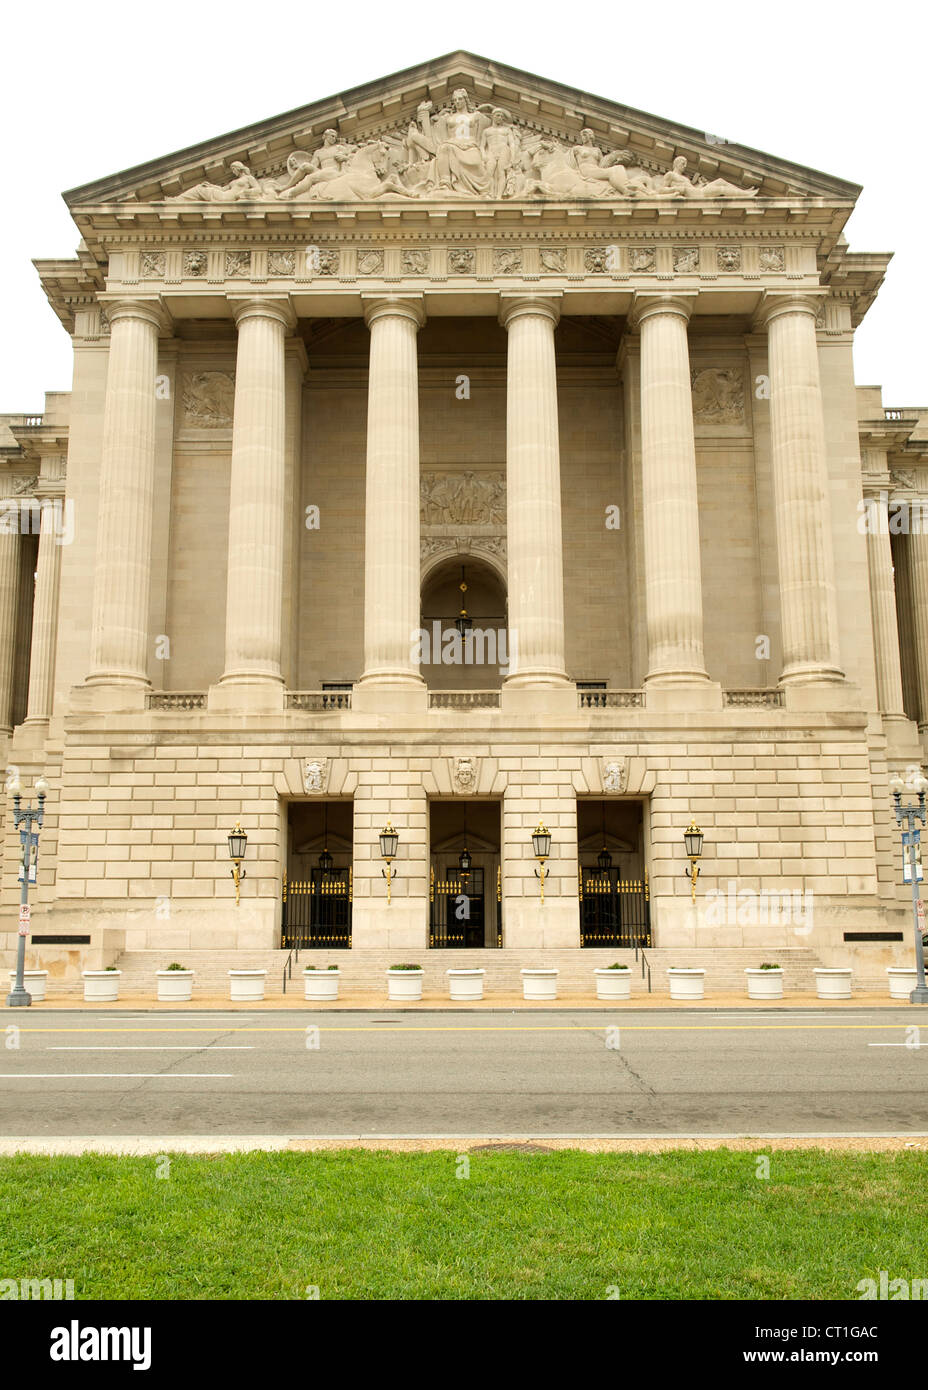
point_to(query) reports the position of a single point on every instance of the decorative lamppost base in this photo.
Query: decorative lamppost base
(919, 995)
(20, 999)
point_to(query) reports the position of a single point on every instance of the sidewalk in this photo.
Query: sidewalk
(354, 1002)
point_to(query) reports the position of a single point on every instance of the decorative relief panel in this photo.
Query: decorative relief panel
(771, 258)
(595, 259)
(614, 774)
(686, 260)
(718, 396)
(507, 260)
(328, 261)
(462, 498)
(552, 258)
(370, 262)
(316, 774)
(152, 265)
(461, 260)
(237, 264)
(642, 258)
(464, 774)
(728, 258)
(195, 263)
(281, 262)
(207, 399)
(415, 262)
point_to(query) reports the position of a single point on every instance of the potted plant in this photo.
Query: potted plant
(765, 982)
(34, 983)
(404, 982)
(539, 984)
(321, 986)
(465, 984)
(686, 983)
(613, 982)
(101, 986)
(832, 983)
(175, 983)
(902, 980)
(246, 986)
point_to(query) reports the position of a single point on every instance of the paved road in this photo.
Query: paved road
(450, 1073)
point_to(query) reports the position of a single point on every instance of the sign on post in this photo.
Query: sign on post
(24, 916)
(907, 856)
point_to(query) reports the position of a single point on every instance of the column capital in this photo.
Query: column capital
(775, 303)
(259, 306)
(512, 306)
(151, 311)
(397, 306)
(645, 306)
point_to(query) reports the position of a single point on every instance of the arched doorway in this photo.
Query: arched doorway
(470, 655)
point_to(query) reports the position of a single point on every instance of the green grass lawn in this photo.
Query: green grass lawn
(565, 1225)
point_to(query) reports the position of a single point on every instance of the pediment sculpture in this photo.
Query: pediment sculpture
(462, 151)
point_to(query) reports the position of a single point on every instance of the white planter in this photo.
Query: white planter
(465, 984)
(404, 984)
(34, 983)
(613, 984)
(245, 986)
(174, 985)
(321, 985)
(832, 984)
(765, 984)
(101, 986)
(902, 980)
(539, 984)
(687, 984)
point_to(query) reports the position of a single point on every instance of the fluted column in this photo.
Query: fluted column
(391, 519)
(44, 620)
(9, 605)
(122, 578)
(808, 604)
(917, 542)
(533, 494)
(254, 587)
(883, 610)
(670, 507)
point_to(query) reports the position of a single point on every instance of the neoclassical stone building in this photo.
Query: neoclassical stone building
(463, 327)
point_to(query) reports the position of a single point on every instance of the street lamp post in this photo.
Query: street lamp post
(19, 998)
(911, 816)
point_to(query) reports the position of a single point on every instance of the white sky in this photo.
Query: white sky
(841, 88)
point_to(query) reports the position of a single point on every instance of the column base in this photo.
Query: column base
(811, 673)
(822, 695)
(110, 694)
(246, 695)
(32, 733)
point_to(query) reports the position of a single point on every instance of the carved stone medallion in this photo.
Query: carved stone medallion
(464, 775)
(207, 399)
(615, 774)
(316, 774)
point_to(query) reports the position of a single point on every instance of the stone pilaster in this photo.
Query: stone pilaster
(254, 586)
(808, 605)
(391, 521)
(673, 575)
(44, 620)
(533, 487)
(122, 576)
(917, 542)
(9, 607)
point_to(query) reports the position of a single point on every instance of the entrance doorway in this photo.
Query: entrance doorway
(318, 884)
(615, 905)
(465, 882)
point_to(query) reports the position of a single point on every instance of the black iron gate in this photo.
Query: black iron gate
(614, 911)
(457, 909)
(316, 912)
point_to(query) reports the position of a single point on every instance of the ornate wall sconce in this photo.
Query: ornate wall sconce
(541, 848)
(692, 839)
(238, 843)
(389, 840)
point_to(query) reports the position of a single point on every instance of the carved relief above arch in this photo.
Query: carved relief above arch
(438, 550)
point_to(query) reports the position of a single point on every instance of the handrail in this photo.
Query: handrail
(288, 970)
(645, 965)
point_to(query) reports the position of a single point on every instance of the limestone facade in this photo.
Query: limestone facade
(593, 366)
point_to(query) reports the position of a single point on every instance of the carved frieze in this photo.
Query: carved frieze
(415, 261)
(152, 265)
(552, 258)
(642, 258)
(771, 258)
(467, 498)
(207, 399)
(718, 396)
(686, 260)
(728, 257)
(281, 262)
(237, 264)
(195, 263)
(507, 260)
(370, 261)
(461, 260)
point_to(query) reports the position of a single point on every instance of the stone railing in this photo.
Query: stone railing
(317, 699)
(177, 699)
(754, 699)
(463, 699)
(611, 699)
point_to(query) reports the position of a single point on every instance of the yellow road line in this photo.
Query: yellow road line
(518, 1028)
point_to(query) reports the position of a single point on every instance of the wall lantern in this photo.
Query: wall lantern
(604, 860)
(388, 843)
(464, 863)
(462, 622)
(692, 839)
(541, 848)
(325, 859)
(238, 843)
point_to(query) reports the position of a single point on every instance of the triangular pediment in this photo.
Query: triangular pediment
(412, 138)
